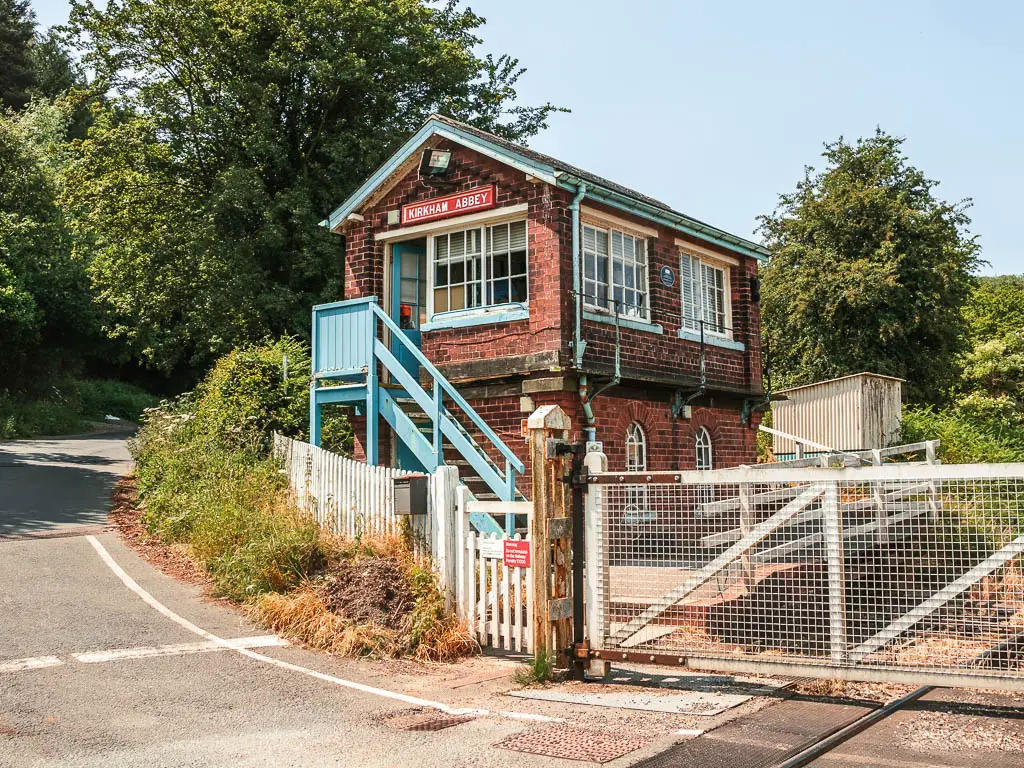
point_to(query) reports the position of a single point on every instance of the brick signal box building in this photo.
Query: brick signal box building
(527, 282)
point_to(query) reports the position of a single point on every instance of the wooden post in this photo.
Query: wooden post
(551, 534)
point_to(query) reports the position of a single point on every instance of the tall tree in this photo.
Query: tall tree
(991, 387)
(869, 271)
(55, 71)
(48, 322)
(17, 76)
(267, 114)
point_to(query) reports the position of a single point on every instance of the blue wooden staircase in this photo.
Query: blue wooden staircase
(347, 352)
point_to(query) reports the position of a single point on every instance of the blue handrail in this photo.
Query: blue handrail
(373, 351)
(447, 387)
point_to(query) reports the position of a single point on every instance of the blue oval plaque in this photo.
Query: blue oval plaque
(668, 276)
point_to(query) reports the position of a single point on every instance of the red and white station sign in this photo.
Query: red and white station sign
(476, 199)
(516, 554)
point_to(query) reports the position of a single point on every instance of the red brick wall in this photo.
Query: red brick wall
(549, 234)
(550, 326)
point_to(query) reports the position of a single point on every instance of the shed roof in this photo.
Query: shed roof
(839, 378)
(548, 169)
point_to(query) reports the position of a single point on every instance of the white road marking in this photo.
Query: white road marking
(688, 732)
(159, 607)
(36, 662)
(179, 649)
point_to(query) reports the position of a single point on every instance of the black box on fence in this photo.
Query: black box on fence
(411, 495)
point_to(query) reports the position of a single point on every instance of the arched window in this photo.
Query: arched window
(703, 449)
(636, 448)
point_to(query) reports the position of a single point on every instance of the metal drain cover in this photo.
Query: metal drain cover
(424, 720)
(572, 744)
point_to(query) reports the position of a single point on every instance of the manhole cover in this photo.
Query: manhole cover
(423, 720)
(572, 744)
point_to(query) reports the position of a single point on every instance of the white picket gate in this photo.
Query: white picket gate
(494, 599)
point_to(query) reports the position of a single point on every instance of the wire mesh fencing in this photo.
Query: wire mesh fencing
(850, 573)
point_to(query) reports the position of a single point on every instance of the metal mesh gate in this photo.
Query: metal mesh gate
(908, 573)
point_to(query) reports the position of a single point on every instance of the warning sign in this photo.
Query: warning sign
(517, 553)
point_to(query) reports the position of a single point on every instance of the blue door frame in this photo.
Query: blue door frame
(408, 308)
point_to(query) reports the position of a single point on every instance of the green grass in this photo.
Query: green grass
(536, 672)
(227, 504)
(964, 439)
(68, 407)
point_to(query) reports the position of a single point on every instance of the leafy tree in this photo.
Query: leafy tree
(996, 307)
(55, 71)
(991, 387)
(48, 319)
(17, 76)
(260, 117)
(869, 271)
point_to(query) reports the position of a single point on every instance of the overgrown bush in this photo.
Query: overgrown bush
(265, 388)
(206, 481)
(226, 502)
(965, 438)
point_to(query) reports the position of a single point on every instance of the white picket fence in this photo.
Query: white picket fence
(351, 498)
(346, 496)
(494, 599)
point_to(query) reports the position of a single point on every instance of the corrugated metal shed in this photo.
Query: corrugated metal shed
(851, 413)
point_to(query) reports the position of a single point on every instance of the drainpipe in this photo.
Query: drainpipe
(578, 344)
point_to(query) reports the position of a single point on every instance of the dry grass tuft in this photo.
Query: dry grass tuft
(447, 640)
(304, 616)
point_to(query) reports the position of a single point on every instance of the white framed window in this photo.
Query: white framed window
(637, 507)
(636, 448)
(615, 272)
(704, 295)
(704, 457)
(478, 268)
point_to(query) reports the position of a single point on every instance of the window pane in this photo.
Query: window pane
(499, 266)
(441, 300)
(519, 262)
(499, 238)
(458, 298)
(518, 289)
(441, 274)
(517, 236)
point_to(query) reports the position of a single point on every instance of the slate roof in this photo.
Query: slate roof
(529, 156)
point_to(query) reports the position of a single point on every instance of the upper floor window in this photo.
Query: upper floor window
(615, 272)
(479, 267)
(705, 295)
(636, 448)
(704, 458)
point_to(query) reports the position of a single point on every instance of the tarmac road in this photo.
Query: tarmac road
(61, 597)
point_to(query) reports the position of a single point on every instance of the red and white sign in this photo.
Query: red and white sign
(476, 199)
(517, 553)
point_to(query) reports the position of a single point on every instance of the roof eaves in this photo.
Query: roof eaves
(668, 217)
(435, 126)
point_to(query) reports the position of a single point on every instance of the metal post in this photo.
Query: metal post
(833, 528)
(877, 497)
(552, 605)
(746, 523)
(314, 415)
(594, 462)
(372, 398)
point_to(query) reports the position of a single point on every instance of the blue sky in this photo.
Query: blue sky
(715, 108)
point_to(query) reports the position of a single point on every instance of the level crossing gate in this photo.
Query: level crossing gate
(908, 573)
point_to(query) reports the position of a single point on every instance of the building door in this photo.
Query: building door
(409, 311)
(409, 298)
